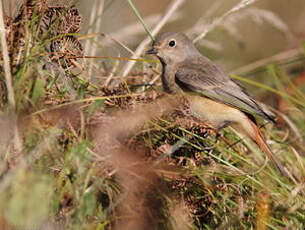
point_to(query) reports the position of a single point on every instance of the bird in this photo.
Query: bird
(213, 96)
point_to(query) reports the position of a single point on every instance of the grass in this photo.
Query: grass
(124, 157)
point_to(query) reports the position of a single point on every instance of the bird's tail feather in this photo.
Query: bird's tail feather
(257, 136)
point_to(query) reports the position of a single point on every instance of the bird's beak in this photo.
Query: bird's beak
(152, 51)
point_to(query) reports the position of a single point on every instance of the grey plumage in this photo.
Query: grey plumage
(204, 77)
(212, 95)
(192, 72)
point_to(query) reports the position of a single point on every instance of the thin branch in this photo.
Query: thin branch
(169, 12)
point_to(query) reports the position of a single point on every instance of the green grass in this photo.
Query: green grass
(99, 158)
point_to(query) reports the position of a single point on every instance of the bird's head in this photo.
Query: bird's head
(172, 47)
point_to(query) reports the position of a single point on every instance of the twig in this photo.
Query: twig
(169, 12)
(242, 4)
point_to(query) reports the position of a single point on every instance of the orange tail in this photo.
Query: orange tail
(257, 136)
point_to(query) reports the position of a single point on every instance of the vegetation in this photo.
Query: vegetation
(92, 144)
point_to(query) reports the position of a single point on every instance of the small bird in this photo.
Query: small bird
(213, 96)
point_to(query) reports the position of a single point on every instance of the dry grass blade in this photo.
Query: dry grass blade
(258, 16)
(299, 160)
(140, 18)
(89, 48)
(197, 28)
(9, 80)
(131, 31)
(280, 57)
(113, 71)
(180, 216)
(111, 38)
(169, 12)
(292, 126)
(242, 4)
(6, 61)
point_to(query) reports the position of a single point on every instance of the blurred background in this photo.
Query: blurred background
(264, 29)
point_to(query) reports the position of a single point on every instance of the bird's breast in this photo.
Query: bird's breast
(168, 80)
(215, 113)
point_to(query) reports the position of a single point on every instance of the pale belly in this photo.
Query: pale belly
(214, 113)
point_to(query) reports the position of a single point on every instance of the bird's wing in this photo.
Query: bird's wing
(203, 77)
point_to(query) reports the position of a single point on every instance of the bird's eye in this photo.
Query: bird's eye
(172, 43)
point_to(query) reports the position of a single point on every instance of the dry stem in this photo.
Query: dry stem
(169, 12)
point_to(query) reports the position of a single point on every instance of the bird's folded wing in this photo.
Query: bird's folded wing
(206, 79)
